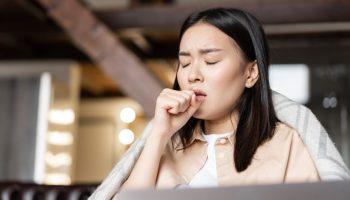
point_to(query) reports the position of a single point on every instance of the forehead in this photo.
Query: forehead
(204, 35)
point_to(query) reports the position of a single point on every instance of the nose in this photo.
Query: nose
(195, 75)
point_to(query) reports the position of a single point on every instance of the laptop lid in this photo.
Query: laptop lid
(304, 191)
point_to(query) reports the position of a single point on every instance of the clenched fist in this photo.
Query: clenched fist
(173, 109)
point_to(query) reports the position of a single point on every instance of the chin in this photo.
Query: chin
(206, 115)
(200, 115)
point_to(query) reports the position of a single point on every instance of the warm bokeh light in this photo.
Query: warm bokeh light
(127, 115)
(60, 159)
(57, 179)
(126, 136)
(64, 116)
(60, 138)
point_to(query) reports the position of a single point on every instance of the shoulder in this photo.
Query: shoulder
(285, 133)
(288, 141)
(300, 165)
(285, 138)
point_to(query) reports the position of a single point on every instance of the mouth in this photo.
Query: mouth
(199, 94)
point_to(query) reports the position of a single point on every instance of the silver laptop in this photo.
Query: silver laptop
(305, 191)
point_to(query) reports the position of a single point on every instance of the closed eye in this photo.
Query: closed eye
(185, 65)
(211, 63)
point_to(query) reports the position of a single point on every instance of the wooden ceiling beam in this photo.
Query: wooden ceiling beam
(279, 16)
(105, 49)
(276, 12)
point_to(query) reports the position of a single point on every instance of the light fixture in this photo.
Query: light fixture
(126, 136)
(57, 178)
(60, 138)
(57, 160)
(127, 115)
(61, 116)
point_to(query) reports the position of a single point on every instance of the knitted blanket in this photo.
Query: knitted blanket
(328, 161)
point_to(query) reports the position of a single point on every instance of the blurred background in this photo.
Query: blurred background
(79, 78)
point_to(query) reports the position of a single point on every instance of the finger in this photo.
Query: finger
(189, 92)
(194, 106)
(169, 104)
(184, 102)
(185, 93)
(176, 94)
(174, 106)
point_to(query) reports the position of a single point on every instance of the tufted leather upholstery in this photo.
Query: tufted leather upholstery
(31, 191)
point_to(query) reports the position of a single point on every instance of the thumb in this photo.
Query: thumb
(194, 105)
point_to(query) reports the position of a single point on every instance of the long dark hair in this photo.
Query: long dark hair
(257, 117)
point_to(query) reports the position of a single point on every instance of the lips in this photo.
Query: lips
(199, 94)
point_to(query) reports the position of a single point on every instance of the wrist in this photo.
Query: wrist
(158, 138)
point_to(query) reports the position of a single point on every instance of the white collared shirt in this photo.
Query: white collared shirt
(207, 176)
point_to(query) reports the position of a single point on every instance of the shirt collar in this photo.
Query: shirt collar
(197, 136)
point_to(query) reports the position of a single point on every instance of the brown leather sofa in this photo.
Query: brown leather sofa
(31, 191)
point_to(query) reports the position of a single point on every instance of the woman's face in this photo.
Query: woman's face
(211, 61)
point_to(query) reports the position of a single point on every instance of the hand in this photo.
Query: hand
(173, 109)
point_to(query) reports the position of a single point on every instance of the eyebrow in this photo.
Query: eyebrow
(201, 51)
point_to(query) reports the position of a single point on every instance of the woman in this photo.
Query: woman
(217, 126)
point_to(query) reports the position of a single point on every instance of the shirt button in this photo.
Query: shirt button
(223, 141)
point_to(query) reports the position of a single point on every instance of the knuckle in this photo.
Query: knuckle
(166, 89)
(159, 98)
(182, 100)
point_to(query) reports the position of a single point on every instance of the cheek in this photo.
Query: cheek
(181, 79)
(226, 87)
(227, 79)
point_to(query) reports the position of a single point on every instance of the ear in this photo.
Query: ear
(252, 74)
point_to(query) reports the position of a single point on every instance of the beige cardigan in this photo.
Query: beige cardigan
(282, 159)
(329, 164)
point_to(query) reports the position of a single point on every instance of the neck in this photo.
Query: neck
(222, 125)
